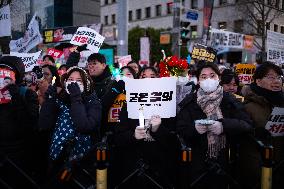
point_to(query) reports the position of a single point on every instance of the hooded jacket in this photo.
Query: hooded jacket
(18, 118)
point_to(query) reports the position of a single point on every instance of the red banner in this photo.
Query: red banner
(54, 53)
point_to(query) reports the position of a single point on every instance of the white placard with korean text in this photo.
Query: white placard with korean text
(275, 47)
(224, 39)
(156, 95)
(29, 59)
(31, 39)
(88, 36)
(275, 124)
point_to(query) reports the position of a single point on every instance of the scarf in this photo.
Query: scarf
(276, 98)
(210, 105)
(65, 136)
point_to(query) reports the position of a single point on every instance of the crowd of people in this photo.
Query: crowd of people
(57, 116)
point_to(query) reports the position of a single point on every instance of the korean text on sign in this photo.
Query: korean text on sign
(156, 95)
(275, 124)
(245, 73)
(88, 36)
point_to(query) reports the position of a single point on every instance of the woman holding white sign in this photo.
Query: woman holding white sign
(147, 146)
(209, 120)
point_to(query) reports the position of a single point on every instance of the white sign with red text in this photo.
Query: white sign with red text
(275, 124)
(88, 36)
(124, 60)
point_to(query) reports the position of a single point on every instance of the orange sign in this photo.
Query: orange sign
(165, 39)
(113, 115)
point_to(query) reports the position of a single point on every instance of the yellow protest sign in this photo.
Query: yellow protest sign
(245, 73)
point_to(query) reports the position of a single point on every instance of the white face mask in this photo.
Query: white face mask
(209, 85)
(80, 84)
(194, 80)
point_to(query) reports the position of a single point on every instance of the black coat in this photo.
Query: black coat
(236, 122)
(160, 155)
(18, 120)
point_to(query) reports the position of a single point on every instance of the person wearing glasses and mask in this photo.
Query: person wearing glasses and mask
(264, 94)
(209, 121)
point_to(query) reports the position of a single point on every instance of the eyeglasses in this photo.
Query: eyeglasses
(273, 78)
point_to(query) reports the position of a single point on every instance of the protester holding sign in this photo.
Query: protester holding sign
(208, 122)
(18, 118)
(264, 95)
(151, 145)
(74, 113)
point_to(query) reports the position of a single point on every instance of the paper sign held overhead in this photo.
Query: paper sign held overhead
(157, 96)
(88, 36)
(29, 59)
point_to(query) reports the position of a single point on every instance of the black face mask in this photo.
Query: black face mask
(274, 97)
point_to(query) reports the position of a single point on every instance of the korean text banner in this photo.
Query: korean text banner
(156, 95)
(5, 21)
(275, 124)
(223, 39)
(88, 36)
(245, 73)
(275, 47)
(30, 40)
(29, 59)
(201, 52)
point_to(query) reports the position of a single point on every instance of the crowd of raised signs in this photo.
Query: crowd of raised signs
(53, 119)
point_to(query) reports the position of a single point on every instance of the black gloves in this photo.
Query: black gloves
(82, 48)
(75, 93)
(51, 92)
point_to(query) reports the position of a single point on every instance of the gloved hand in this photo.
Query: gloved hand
(216, 128)
(201, 129)
(155, 122)
(51, 92)
(74, 90)
(119, 86)
(82, 48)
(140, 133)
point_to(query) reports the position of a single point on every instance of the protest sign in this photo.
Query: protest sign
(144, 51)
(5, 78)
(275, 124)
(157, 96)
(201, 52)
(245, 73)
(5, 21)
(54, 52)
(124, 60)
(29, 59)
(88, 36)
(30, 40)
(275, 47)
(222, 39)
(113, 115)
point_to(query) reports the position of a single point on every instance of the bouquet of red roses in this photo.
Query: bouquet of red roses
(172, 66)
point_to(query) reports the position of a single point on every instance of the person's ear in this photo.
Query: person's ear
(258, 82)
